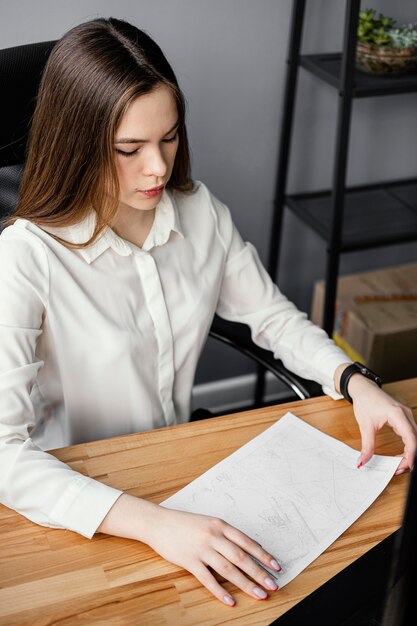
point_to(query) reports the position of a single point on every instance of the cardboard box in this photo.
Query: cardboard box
(376, 319)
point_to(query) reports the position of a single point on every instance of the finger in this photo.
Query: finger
(210, 583)
(235, 555)
(410, 444)
(251, 547)
(408, 454)
(402, 466)
(230, 572)
(410, 416)
(400, 422)
(368, 435)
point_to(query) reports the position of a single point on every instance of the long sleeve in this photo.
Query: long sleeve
(248, 295)
(33, 482)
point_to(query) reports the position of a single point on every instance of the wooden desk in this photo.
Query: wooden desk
(56, 577)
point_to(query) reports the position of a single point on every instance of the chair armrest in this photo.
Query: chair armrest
(239, 337)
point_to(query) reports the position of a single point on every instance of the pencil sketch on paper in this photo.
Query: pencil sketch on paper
(293, 489)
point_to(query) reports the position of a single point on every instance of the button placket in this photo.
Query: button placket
(155, 302)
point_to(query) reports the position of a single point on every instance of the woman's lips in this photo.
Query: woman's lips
(151, 193)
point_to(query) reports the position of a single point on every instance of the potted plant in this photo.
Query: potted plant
(383, 49)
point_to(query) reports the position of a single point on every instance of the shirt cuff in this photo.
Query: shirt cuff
(332, 363)
(84, 505)
(332, 393)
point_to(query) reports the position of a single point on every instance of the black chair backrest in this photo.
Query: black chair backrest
(20, 73)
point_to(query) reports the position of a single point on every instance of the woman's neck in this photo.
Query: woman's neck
(133, 225)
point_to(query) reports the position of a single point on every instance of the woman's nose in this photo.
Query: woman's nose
(155, 164)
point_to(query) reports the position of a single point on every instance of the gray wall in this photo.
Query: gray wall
(229, 56)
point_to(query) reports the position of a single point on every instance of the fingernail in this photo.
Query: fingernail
(229, 600)
(271, 584)
(275, 565)
(399, 471)
(360, 461)
(260, 593)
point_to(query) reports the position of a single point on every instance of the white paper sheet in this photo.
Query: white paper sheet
(293, 489)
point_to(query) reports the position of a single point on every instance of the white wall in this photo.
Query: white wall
(229, 56)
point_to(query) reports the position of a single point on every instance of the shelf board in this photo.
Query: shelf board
(374, 215)
(328, 68)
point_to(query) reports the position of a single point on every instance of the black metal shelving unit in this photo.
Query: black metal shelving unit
(369, 209)
(328, 67)
(347, 219)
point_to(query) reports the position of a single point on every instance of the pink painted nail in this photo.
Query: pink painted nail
(360, 461)
(275, 565)
(271, 584)
(229, 600)
(260, 593)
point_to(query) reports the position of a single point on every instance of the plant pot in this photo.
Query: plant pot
(383, 60)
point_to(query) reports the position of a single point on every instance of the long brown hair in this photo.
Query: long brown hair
(92, 75)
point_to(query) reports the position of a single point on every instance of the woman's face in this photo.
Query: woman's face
(146, 143)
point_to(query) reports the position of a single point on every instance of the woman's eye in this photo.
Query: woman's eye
(126, 154)
(171, 139)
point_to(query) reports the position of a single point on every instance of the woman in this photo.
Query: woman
(111, 270)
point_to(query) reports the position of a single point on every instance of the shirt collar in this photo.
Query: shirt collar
(166, 220)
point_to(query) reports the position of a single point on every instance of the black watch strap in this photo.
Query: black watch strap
(356, 368)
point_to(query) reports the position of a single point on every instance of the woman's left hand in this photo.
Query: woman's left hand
(373, 408)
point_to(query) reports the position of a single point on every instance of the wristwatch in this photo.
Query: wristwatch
(356, 368)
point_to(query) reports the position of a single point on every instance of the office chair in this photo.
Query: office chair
(20, 71)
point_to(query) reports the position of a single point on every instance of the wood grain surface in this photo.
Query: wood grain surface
(49, 576)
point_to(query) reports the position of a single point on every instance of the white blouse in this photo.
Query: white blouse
(104, 341)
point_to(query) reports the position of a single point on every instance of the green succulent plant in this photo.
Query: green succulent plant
(373, 30)
(380, 31)
(404, 37)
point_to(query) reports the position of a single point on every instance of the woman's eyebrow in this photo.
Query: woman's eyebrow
(134, 140)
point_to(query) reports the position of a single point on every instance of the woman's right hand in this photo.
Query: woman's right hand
(198, 543)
